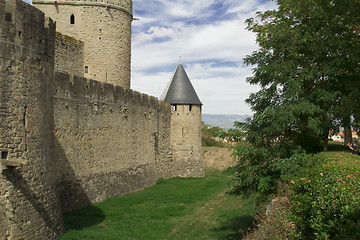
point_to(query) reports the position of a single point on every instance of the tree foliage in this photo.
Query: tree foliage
(308, 69)
(307, 66)
(208, 134)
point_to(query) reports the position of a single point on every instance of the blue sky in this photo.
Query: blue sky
(211, 39)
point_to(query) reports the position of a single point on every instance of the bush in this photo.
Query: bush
(324, 198)
(208, 133)
(210, 142)
(260, 168)
(325, 203)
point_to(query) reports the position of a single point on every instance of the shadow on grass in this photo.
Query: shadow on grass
(82, 218)
(338, 147)
(238, 227)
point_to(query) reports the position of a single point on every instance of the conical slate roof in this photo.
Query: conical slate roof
(180, 90)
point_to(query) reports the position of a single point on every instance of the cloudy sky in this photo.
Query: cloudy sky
(211, 39)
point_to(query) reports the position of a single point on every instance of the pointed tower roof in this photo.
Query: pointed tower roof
(180, 90)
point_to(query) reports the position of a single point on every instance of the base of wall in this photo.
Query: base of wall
(79, 191)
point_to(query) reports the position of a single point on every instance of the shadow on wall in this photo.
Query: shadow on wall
(73, 196)
(15, 176)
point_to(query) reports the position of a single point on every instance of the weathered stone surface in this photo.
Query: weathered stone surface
(69, 55)
(29, 204)
(185, 138)
(106, 134)
(105, 29)
(67, 141)
(218, 158)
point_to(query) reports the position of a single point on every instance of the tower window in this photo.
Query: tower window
(8, 17)
(4, 154)
(175, 107)
(72, 19)
(86, 69)
(190, 107)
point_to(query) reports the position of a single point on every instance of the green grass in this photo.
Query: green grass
(177, 208)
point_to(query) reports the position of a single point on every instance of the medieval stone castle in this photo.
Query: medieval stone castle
(72, 132)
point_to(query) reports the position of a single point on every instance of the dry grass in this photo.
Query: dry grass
(274, 223)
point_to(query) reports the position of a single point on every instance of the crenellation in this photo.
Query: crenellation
(106, 36)
(136, 96)
(164, 107)
(119, 93)
(108, 91)
(67, 139)
(153, 102)
(70, 86)
(145, 100)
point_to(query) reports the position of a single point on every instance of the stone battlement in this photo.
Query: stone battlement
(67, 140)
(26, 27)
(80, 88)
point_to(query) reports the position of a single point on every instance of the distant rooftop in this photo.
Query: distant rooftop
(180, 90)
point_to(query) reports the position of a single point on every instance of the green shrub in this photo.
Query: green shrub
(324, 198)
(325, 203)
(260, 168)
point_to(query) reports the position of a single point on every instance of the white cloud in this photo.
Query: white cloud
(210, 37)
(186, 8)
(153, 33)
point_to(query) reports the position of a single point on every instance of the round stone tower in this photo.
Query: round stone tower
(105, 28)
(185, 129)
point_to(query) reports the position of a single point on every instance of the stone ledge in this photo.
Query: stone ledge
(5, 163)
(81, 3)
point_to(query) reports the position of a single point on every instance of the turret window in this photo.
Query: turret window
(8, 17)
(72, 19)
(4, 154)
(175, 107)
(190, 107)
(86, 69)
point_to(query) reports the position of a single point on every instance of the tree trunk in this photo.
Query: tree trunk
(326, 141)
(347, 132)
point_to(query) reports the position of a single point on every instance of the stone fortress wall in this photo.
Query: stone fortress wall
(107, 140)
(69, 55)
(29, 203)
(105, 27)
(67, 141)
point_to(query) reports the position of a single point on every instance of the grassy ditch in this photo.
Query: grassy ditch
(177, 208)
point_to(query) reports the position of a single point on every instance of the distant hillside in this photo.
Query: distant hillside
(223, 121)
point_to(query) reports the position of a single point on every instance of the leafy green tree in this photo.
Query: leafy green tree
(308, 69)
(307, 64)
